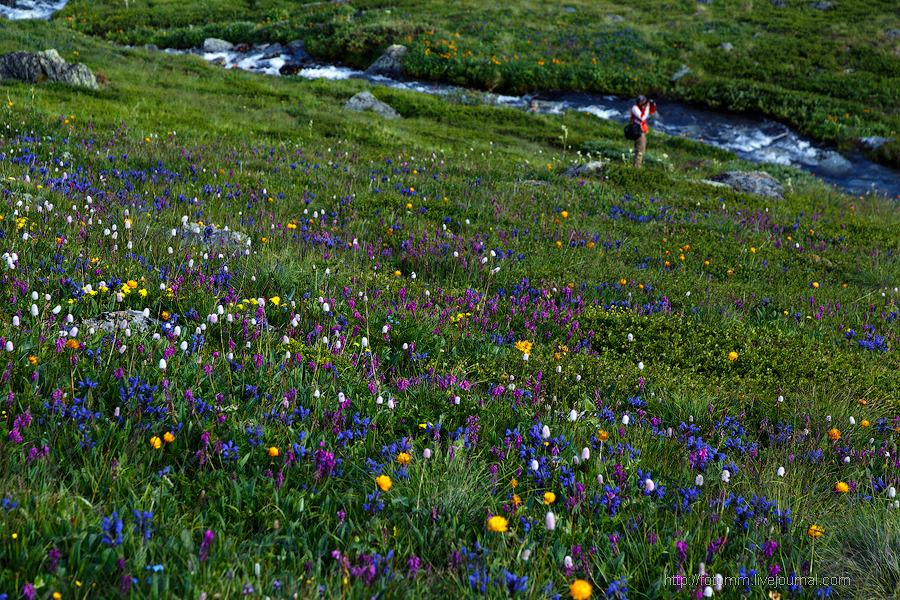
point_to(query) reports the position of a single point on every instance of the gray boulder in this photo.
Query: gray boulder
(779, 3)
(109, 322)
(216, 45)
(207, 235)
(297, 49)
(752, 182)
(681, 72)
(726, 46)
(718, 184)
(585, 169)
(45, 66)
(273, 51)
(615, 19)
(366, 101)
(821, 5)
(388, 64)
(892, 33)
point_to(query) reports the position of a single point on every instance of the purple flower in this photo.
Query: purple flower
(207, 542)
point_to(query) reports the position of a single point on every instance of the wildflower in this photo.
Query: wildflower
(384, 482)
(169, 437)
(32, 360)
(549, 498)
(864, 423)
(524, 347)
(842, 487)
(602, 435)
(274, 451)
(834, 434)
(426, 453)
(156, 442)
(550, 521)
(132, 284)
(73, 344)
(698, 480)
(403, 458)
(726, 475)
(564, 214)
(732, 355)
(580, 589)
(815, 531)
(165, 316)
(516, 499)
(514, 482)
(498, 524)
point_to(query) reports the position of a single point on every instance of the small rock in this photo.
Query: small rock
(821, 5)
(570, 9)
(726, 46)
(875, 141)
(708, 182)
(207, 235)
(216, 45)
(366, 101)
(151, 47)
(752, 182)
(242, 48)
(779, 3)
(388, 64)
(704, 1)
(681, 72)
(218, 62)
(892, 33)
(581, 170)
(109, 322)
(835, 164)
(615, 19)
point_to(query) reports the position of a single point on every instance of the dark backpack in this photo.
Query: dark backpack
(633, 131)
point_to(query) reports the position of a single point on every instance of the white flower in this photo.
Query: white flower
(568, 562)
(828, 418)
(707, 592)
(630, 338)
(550, 521)
(852, 421)
(726, 475)
(846, 460)
(585, 453)
(364, 343)
(640, 366)
(545, 432)
(34, 310)
(626, 419)
(698, 480)
(719, 582)
(15, 321)
(780, 471)
(573, 415)
(558, 369)
(534, 464)
(892, 492)
(525, 356)
(649, 486)
(427, 453)
(391, 403)
(600, 479)
(162, 364)
(9, 346)
(781, 398)
(526, 554)
(576, 460)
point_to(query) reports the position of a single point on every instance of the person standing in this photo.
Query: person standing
(642, 109)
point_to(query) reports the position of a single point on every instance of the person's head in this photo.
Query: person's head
(641, 100)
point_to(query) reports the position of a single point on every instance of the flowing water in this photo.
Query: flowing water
(752, 138)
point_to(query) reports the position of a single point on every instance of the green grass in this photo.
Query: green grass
(439, 241)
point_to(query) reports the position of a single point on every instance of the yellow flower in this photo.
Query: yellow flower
(265, 240)
(842, 487)
(274, 451)
(815, 284)
(564, 214)
(143, 293)
(623, 281)
(815, 531)
(732, 355)
(524, 346)
(516, 499)
(408, 206)
(549, 498)
(834, 434)
(580, 589)
(276, 300)
(397, 273)
(403, 458)
(57, 595)
(773, 595)
(384, 482)
(514, 482)
(602, 435)
(165, 316)
(864, 423)
(32, 360)
(498, 524)
(156, 442)
(169, 437)
(73, 344)
(131, 283)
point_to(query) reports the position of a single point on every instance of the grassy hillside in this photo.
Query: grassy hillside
(440, 368)
(832, 74)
